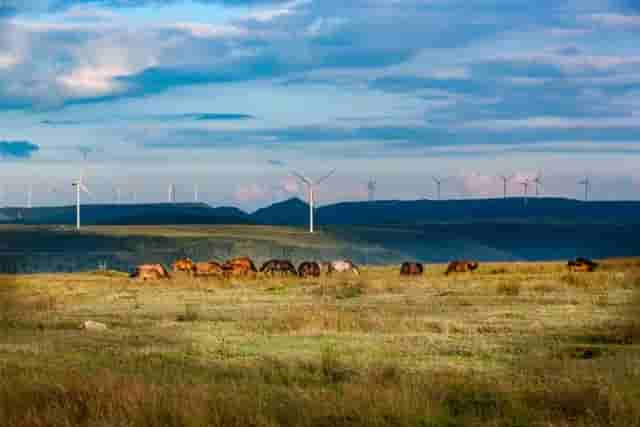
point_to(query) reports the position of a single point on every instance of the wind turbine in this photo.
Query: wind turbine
(505, 179)
(587, 187)
(30, 196)
(196, 193)
(118, 194)
(371, 189)
(538, 182)
(80, 187)
(171, 193)
(438, 182)
(311, 186)
(525, 188)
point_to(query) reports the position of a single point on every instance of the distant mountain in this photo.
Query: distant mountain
(129, 214)
(295, 212)
(538, 209)
(289, 212)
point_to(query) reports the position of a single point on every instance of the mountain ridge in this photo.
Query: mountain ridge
(295, 212)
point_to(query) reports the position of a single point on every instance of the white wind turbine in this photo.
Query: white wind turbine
(538, 182)
(118, 194)
(311, 186)
(438, 182)
(505, 179)
(171, 193)
(587, 187)
(30, 196)
(371, 189)
(196, 193)
(525, 188)
(80, 187)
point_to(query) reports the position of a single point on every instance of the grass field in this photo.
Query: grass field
(513, 344)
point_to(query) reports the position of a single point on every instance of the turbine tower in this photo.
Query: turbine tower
(30, 196)
(538, 182)
(371, 189)
(311, 187)
(118, 194)
(196, 193)
(587, 187)
(438, 182)
(505, 179)
(80, 187)
(171, 193)
(525, 188)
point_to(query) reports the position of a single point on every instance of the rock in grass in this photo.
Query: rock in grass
(94, 326)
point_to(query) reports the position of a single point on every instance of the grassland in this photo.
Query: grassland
(514, 344)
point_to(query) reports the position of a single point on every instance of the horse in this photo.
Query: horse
(461, 266)
(150, 271)
(184, 264)
(411, 269)
(581, 265)
(341, 266)
(209, 268)
(278, 266)
(241, 266)
(309, 269)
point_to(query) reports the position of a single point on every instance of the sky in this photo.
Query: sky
(230, 96)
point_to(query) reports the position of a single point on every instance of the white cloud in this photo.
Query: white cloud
(209, 31)
(544, 122)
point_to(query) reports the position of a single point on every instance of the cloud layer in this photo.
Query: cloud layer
(493, 85)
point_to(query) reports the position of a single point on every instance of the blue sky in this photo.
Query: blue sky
(233, 94)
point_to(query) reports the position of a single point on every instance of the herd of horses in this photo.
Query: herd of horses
(244, 267)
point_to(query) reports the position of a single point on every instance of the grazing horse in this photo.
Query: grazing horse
(150, 271)
(209, 268)
(241, 266)
(281, 266)
(411, 269)
(461, 266)
(184, 264)
(581, 265)
(309, 269)
(341, 266)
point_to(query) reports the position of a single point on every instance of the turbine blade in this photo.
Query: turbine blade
(319, 180)
(85, 189)
(301, 178)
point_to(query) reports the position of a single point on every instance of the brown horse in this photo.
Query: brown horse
(309, 269)
(581, 265)
(184, 264)
(411, 269)
(150, 272)
(209, 268)
(281, 266)
(241, 266)
(461, 266)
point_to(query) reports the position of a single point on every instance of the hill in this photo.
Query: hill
(129, 214)
(295, 212)
(416, 212)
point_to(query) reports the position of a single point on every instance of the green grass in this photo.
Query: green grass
(510, 345)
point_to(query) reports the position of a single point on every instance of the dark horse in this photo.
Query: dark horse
(281, 266)
(461, 266)
(411, 269)
(309, 269)
(581, 265)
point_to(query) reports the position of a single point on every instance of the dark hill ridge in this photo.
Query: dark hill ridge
(295, 212)
(415, 212)
(130, 214)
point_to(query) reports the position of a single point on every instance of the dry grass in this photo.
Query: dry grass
(510, 345)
